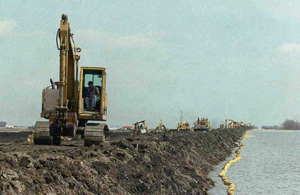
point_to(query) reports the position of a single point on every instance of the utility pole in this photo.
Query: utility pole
(181, 117)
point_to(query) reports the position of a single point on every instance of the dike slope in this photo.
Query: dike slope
(165, 163)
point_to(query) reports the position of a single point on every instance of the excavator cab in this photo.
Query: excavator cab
(98, 77)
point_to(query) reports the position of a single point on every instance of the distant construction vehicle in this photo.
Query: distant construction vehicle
(202, 125)
(161, 126)
(79, 97)
(242, 124)
(140, 127)
(250, 126)
(183, 126)
(233, 124)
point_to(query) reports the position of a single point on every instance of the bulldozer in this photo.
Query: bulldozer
(183, 126)
(140, 127)
(64, 103)
(202, 125)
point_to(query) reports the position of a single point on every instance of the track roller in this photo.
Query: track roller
(95, 133)
(41, 134)
(56, 140)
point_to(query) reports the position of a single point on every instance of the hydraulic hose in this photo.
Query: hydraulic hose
(57, 37)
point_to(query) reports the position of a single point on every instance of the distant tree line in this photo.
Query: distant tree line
(276, 127)
(290, 125)
(2, 124)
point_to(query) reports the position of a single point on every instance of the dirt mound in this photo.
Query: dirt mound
(13, 136)
(151, 164)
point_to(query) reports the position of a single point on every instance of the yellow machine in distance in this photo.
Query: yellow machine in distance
(140, 127)
(161, 126)
(65, 106)
(183, 126)
(233, 124)
(202, 124)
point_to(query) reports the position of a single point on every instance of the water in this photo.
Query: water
(270, 164)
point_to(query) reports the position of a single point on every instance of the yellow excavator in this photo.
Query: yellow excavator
(233, 124)
(68, 104)
(161, 127)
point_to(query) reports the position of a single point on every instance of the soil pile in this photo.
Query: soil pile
(164, 163)
(13, 136)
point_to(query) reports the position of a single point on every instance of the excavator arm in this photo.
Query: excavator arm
(230, 120)
(68, 79)
(64, 35)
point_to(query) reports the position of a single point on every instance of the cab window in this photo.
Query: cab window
(94, 76)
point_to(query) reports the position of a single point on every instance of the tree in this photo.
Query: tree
(291, 125)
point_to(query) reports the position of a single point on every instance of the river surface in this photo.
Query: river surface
(270, 164)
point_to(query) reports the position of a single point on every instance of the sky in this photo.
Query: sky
(217, 59)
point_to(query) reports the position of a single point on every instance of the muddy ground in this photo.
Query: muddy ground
(165, 163)
(7, 137)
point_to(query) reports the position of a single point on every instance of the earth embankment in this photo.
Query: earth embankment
(156, 163)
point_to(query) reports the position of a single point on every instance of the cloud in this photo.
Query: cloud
(289, 48)
(7, 26)
(30, 34)
(279, 9)
(135, 41)
(7, 29)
